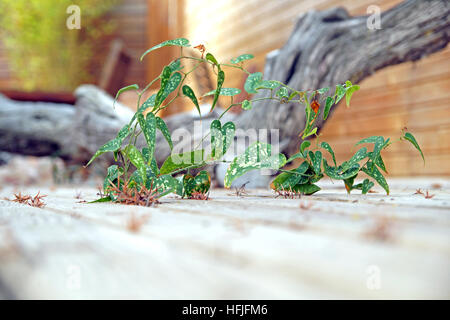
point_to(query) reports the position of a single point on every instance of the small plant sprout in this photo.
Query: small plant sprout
(137, 179)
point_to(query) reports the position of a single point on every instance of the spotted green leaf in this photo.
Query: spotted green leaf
(316, 161)
(252, 82)
(151, 161)
(242, 57)
(112, 174)
(378, 142)
(257, 156)
(148, 126)
(372, 171)
(328, 104)
(161, 125)
(358, 156)
(171, 85)
(188, 92)
(200, 183)
(303, 146)
(409, 137)
(306, 189)
(112, 145)
(327, 147)
(175, 65)
(150, 102)
(340, 93)
(165, 77)
(366, 186)
(246, 105)
(136, 158)
(220, 80)
(267, 84)
(221, 138)
(282, 93)
(211, 58)
(104, 199)
(225, 92)
(175, 162)
(349, 92)
(378, 161)
(166, 184)
(323, 90)
(182, 42)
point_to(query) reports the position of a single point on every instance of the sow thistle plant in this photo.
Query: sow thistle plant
(137, 175)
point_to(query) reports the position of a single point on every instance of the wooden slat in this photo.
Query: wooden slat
(254, 247)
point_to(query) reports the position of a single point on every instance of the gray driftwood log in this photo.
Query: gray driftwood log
(325, 48)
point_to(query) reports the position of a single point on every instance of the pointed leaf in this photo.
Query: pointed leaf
(211, 58)
(104, 199)
(327, 147)
(349, 92)
(165, 76)
(150, 102)
(328, 104)
(127, 88)
(303, 146)
(220, 80)
(242, 57)
(188, 92)
(306, 189)
(358, 156)
(216, 138)
(137, 160)
(161, 125)
(313, 131)
(340, 92)
(175, 65)
(267, 84)
(182, 42)
(224, 92)
(366, 186)
(317, 162)
(372, 171)
(228, 131)
(409, 137)
(171, 85)
(148, 126)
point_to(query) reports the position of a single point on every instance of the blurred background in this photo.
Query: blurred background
(42, 61)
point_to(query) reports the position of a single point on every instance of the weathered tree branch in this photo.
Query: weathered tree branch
(330, 47)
